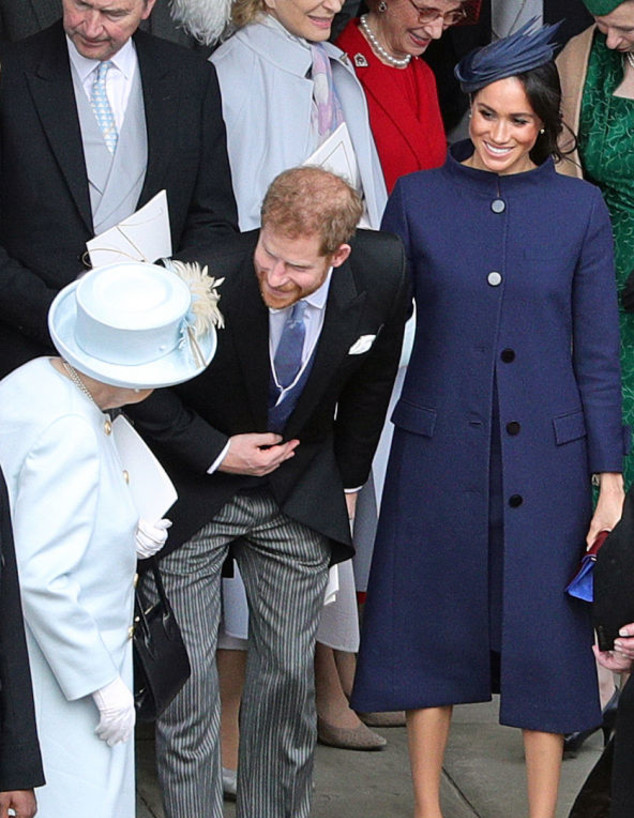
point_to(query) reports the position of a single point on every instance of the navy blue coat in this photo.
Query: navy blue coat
(514, 286)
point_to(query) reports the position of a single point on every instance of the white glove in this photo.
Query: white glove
(116, 708)
(150, 538)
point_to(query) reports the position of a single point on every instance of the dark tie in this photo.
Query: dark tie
(288, 356)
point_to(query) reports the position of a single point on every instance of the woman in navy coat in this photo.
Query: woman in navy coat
(510, 404)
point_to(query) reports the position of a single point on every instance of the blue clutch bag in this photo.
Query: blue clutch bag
(581, 585)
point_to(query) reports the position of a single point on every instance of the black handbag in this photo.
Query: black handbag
(613, 604)
(161, 664)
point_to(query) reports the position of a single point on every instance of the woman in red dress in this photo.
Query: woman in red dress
(385, 46)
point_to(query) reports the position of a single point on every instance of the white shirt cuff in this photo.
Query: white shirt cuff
(219, 459)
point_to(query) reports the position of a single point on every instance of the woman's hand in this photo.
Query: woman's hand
(115, 703)
(150, 538)
(609, 505)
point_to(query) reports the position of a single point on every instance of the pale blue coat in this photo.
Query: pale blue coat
(266, 105)
(74, 525)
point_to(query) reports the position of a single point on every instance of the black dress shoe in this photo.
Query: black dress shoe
(573, 741)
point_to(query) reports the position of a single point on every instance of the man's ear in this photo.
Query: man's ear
(149, 5)
(340, 255)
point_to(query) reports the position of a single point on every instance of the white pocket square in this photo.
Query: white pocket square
(361, 345)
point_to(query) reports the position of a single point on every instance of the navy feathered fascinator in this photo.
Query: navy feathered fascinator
(526, 49)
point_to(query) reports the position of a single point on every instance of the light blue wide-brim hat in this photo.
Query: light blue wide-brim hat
(599, 8)
(130, 325)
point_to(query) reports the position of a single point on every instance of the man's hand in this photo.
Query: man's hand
(256, 454)
(625, 642)
(612, 660)
(620, 659)
(22, 802)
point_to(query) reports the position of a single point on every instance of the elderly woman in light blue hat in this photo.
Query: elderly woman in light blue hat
(121, 331)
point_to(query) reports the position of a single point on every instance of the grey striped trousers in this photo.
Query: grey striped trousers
(284, 566)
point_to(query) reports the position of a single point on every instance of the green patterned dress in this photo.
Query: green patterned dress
(606, 147)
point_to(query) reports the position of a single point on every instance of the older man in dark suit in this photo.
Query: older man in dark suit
(20, 762)
(96, 117)
(21, 18)
(261, 448)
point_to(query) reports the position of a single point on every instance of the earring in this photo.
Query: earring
(382, 7)
(543, 131)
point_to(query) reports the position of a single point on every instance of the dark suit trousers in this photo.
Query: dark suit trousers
(284, 566)
(623, 764)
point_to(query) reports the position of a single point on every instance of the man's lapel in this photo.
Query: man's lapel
(53, 95)
(161, 92)
(250, 327)
(338, 334)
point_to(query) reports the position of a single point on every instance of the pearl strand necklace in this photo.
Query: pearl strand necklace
(74, 376)
(397, 62)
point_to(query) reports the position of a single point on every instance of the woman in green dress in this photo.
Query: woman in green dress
(597, 77)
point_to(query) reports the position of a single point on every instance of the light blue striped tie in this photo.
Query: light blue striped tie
(101, 107)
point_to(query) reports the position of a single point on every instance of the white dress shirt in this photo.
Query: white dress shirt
(119, 78)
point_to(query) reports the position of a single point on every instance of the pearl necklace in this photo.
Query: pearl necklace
(629, 56)
(397, 62)
(74, 376)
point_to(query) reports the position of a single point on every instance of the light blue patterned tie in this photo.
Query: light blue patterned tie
(101, 107)
(288, 356)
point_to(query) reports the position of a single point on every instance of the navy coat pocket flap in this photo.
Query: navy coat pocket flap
(569, 427)
(412, 418)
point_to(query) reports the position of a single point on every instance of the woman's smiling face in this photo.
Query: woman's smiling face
(305, 18)
(503, 127)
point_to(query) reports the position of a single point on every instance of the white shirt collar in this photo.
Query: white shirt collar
(124, 60)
